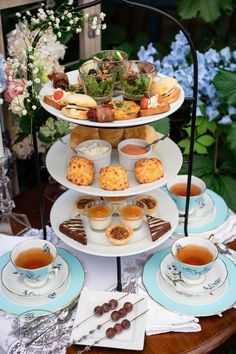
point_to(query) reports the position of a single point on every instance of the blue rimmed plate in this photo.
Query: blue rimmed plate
(180, 303)
(75, 285)
(206, 224)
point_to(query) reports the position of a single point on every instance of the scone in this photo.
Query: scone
(80, 134)
(124, 110)
(148, 170)
(149, 201)
(144, 132)
(113, 178)
(83, 200)
(80, 171)
(113, 136)
(119, 234)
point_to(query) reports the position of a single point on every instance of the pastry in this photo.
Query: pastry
(113, 178)
(82, 201)
(124, 110)
(80, 134)
(80, 171)
(144, 132)
(149, 201)
(74, 229)
(158, 227)
(113, 136)
(73, 111)
(148, 170)
(119, 234)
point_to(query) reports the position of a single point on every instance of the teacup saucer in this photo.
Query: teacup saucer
(15, 287)
(210, 213)
(214, 279)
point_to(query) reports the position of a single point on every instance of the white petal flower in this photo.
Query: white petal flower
(37, 80)
(24, 112)
(58, 34)
(102, 16)
(104, 26)
(69, 15)
(78, 30)
(70, 2)
(34, 107)
(18, 15)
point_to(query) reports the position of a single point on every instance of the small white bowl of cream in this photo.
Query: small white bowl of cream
(99, 151)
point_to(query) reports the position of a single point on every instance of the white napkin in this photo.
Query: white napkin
(160, 320)
(227, 231)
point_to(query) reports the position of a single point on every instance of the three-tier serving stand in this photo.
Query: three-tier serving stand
(192, 100)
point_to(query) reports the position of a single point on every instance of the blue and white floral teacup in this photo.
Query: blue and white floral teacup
(194, 257)
(177, 190)
(34, 260)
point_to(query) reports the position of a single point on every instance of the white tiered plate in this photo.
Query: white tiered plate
(64, 208)
(166, 151)
(73, 78)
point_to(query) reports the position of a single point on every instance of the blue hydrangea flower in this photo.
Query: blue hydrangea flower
(176, 64)
(226, 120)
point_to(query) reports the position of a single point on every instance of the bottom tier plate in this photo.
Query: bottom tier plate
(65, 208)
(161, 291)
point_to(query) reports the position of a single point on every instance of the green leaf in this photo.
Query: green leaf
(25, 124)
(188, 8)
(231, 138)
(212, 127)
(200, 149)
(184, 143)
(225, 83)
(202, 166)
(209, 10)
(206, 140)
(162, 126)
(202, 128)
(188, 130)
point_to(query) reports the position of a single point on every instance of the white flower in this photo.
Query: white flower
(68, 28)
(34, 107)
(102, 16)
(70, 2)
(104, 26)
(18, 15)
(69, 15)
(97, 32)
(29, 83)
(71, 22)
(36, 70)
(37, 80)
(1, 101)
(24, 112)
(28, 13)
(59, 34)
(86, 16)
(78, 30)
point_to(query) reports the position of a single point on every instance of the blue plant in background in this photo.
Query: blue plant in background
(176, 64)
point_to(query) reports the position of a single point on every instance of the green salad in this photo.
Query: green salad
(134, 86)
(98, 86)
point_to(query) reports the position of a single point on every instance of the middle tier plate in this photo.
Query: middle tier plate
(65, 208)
(166, 151)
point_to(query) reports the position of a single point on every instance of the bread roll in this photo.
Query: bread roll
(166, 87)
(145, 132)
(80, 134)
(113, 136)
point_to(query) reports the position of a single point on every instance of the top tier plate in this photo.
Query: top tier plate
(73, 78)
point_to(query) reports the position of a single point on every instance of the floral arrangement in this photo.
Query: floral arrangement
(214, 143)
(34, 53)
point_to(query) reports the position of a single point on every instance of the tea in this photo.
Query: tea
(33, 258)
(194, 255)
(181, 189)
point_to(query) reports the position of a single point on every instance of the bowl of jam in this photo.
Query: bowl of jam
(132, 150)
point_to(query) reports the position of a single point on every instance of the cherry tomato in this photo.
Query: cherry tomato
(58, 94)
(144, 102)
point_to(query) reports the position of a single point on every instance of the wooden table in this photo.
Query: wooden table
(215, 330)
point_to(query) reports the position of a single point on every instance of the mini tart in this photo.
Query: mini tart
(82, 201)
(149, 201)
(119, 234)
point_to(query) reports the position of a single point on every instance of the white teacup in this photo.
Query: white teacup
(34, 261)
(177, 190)
(194, 257)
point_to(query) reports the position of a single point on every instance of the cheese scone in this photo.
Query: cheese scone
(113, 178)
(80, 171)
(148, 170)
